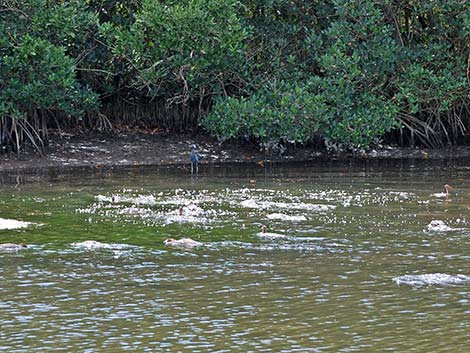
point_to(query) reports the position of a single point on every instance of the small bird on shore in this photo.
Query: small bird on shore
(194, 158)
(12, 246)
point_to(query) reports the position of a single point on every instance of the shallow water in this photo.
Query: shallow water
(357, 265)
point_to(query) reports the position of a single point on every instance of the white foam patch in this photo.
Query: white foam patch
(190, 199)
(149, 200)
(184, 243)
(365, 197)
(193, 214)
(10, 247)
(172, 218)
(431, 279)
(403, 195)
(440, 195)
(192, 210)
(308, 239)
(285, 217)
(93, 244)
(13, 224)
(152, 209)
(251, 203)
(439, 226)
(275, 246)
(203, 208)
(134, 211)
(269, 235)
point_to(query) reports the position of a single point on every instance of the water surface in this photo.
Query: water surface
(354, 267)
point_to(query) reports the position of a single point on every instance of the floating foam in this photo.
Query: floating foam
(134, 211)
(438, 226)
(192, 210)
(440, 195)
(251, 203)
(10, 247)
(403, 195)
(93, 244)
(13, 224)
(133, 199)
(268, 235)
(285, 217)
(276, 246)
(431, 279)
(171, 218)
(185, 243)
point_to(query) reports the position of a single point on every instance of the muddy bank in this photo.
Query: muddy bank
(69, 150)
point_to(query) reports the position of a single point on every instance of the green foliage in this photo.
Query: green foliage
(432, 85)
(38, 75)
(421, 87)
(346, 100)
(66, 24)
(180, 49)
(349, 71)
(282, 112)
(357, 59)
(70, 25)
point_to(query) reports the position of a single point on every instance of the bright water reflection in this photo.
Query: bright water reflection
(356, 264)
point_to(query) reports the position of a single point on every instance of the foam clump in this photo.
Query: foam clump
(185, 243)
(285, 217)
(251, 203)
(267, 235)
(438, 226)
(191, 210)
(149, 200)
(11, 247)
(431, 279)
(93, 244)
(13, 224)
(191, 214)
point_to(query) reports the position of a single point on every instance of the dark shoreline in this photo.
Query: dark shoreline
(98, 154)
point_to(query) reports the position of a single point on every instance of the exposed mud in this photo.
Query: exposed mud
(159, 149)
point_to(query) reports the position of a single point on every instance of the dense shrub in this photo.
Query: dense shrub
(180, 50)
(278, 113)
(348, 71)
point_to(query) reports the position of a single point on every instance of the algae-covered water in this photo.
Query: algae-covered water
(358, 257)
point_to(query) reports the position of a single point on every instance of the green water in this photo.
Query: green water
(334, 282)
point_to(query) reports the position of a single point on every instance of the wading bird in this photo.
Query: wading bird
(194, 158)
(445, 194)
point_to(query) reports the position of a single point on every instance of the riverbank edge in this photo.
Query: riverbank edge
(135, 149)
